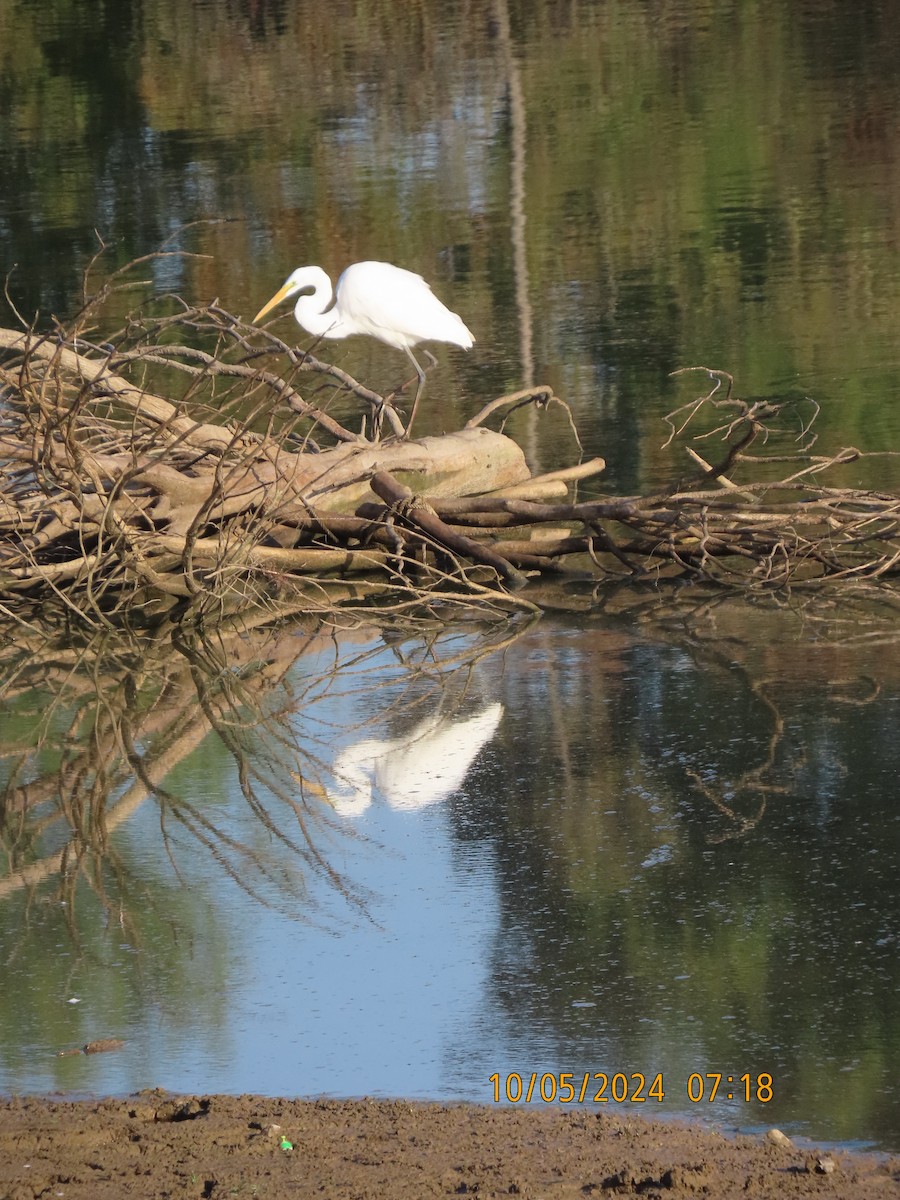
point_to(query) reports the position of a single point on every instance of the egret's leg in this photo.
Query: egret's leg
(419, 390)
(377, 422)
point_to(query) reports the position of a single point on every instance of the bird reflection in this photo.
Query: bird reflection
(415, 771)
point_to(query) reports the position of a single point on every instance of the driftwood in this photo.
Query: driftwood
(141, 468)
(109, 487)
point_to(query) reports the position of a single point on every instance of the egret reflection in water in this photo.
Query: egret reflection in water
(415, 771)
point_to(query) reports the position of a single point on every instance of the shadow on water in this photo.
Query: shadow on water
(96, 729)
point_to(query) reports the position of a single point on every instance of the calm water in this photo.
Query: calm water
(594, 849)
(675, 849)
(606, 192)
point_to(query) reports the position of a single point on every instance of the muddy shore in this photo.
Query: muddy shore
(156, 1145)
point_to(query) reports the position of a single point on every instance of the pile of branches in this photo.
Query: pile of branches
(167, 471)
(180, 460)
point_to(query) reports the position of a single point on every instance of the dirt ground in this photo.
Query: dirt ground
(156, 1145)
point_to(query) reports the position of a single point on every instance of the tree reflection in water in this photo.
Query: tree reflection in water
(95, 728)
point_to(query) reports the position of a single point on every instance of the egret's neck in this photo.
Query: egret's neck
(351, 790)
(310, 310)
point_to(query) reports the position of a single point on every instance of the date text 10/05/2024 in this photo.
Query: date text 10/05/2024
(569, 1087)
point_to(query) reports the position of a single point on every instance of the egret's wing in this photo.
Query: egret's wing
(426, 769)
(396, 306)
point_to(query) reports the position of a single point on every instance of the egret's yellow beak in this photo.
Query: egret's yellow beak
(282, 292)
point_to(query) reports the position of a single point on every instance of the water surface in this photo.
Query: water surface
(605, 192)
(657, 858)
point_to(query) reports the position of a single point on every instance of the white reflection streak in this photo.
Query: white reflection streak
(517, 193)
(415, 771)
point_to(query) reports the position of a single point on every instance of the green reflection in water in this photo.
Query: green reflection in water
(604, 195)
(702, 876)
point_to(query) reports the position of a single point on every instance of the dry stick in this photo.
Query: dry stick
(532, 512)
(96, 374)
(478, 519)
(306, 362)
(47, 572)
(710, 473)
(169, 356)
(212, 550)
(336, 526)
(601, 542)
(544, 550)
(415, 510)
(695, 405)
(538, 489)
(526, 490)
(541, 396)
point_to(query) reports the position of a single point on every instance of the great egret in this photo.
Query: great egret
(376, 298)
(415, 771)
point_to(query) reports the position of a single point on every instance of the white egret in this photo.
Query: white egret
(378, 299)
(415, 771)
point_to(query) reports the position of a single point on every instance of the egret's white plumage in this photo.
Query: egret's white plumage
(415, 771)
(377, 299)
